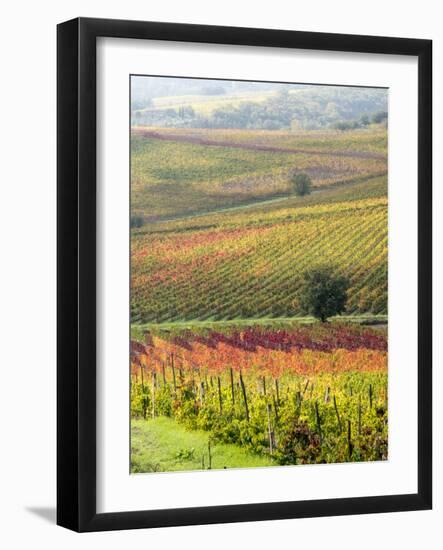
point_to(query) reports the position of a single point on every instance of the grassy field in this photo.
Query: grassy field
(163, 445)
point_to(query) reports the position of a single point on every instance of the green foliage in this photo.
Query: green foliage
(322, 293)
(299, 436)
(140, 400)
(302, 184)
(185, 454)
(163, 401)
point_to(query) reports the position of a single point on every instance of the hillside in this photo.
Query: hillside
(247, 263)
(206, 170)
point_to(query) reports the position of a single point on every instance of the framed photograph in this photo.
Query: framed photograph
(244, 274)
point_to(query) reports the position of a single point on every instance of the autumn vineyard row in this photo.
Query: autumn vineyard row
(300, 396)
(252, 270)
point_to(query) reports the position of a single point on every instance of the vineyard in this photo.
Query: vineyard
(205, 177)
(246, 265)
(364, 143)
(297, 395)
(227, 368)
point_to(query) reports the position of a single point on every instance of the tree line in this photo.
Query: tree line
(313, 108)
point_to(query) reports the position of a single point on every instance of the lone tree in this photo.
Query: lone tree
(301, 183)
(322, 293)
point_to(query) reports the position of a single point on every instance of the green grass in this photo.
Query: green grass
(161, 444)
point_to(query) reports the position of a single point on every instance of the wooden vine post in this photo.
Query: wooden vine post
(202, 393)
(275, 403)
(143, 392)
(232, 386)
(350, 446)
(209, 455)
(328, 389)
(173, 372)
(220, 402)
(338, 415)
(298, 402)
(318, 421)
(270, 433)
(153, 383)
(245, 397)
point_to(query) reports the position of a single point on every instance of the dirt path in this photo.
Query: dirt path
(256, 147)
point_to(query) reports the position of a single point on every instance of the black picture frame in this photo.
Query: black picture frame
(76, 279)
